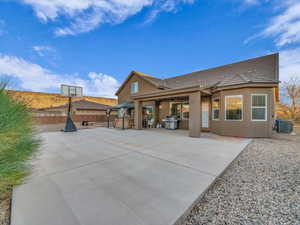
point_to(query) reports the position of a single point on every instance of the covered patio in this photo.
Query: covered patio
(185, 104)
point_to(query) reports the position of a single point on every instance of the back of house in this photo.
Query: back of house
(234, 100)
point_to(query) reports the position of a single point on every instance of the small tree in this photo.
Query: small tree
(291, 91)
(18, 142)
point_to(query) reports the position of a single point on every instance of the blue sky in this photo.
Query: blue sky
(96, 43)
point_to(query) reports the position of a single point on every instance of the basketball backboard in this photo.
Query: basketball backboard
(70, 91)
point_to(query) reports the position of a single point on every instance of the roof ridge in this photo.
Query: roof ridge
(145, 74)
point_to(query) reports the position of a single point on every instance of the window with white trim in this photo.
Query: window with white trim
(134, 87)
(234, 107)
(216, 109)
(259, 107)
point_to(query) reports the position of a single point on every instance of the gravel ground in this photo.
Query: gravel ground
(261, 187)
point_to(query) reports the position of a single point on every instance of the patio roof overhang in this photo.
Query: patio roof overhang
(171, 93)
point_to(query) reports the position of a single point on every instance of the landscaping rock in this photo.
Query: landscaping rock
(261, 187)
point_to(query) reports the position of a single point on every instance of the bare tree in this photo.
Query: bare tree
(291, 91)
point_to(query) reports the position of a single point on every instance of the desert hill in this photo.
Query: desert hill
(42, 100)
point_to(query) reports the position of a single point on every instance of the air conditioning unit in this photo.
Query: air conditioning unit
(283, 126)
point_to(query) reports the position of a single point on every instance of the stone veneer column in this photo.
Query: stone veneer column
(138, 115)
(195, 114)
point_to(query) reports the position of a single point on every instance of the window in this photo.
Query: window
(259, 107)
(234, 107)
(134, 87)
(180, 110)
(216, 109)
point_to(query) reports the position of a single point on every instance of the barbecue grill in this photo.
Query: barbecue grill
(170, 123)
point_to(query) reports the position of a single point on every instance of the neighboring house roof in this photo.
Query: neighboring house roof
(81, 104)
(258, 70)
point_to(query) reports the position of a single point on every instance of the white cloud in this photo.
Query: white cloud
(42, 50)
(36, 78)
(289, 64)
(86, 15)
(285, 26)
(164, 6)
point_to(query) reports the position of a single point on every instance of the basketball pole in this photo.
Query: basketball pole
(70, 91)
(70, 126)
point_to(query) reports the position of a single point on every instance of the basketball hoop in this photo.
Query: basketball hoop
(70, 91)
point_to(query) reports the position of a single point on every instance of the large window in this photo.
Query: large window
(134, 87)
(180, 111)
(259, 107)
(216, 109)
(234, 107)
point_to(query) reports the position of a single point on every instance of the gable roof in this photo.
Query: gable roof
(151, 79)
(263, 69)
(81, 104)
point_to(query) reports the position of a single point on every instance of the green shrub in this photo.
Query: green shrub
(17, 142)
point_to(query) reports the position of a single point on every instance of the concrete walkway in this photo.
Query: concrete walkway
(113, 177)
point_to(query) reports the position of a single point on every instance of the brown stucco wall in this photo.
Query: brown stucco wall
(246, 127)
(144, 86)
(163, 110)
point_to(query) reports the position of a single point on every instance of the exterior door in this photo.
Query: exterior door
(148, 116)
(205, 114)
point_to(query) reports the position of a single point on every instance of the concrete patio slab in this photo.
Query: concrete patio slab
(108, 176)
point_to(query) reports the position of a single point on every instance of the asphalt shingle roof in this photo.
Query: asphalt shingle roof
(257, 70)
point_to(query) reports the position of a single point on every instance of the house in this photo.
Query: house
(82, 110)
(234, 100)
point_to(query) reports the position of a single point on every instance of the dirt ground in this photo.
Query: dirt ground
(5, 210)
